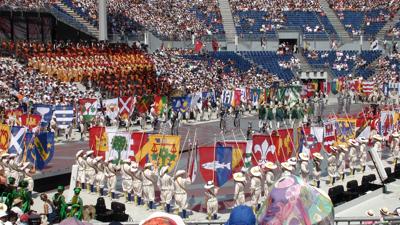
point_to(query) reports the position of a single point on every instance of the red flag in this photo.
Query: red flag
(17, 113)
(138, 140)
(206, 156)
(329, 135)
(286, 144)
(31, 120)
(237, 97)
(192, 167)
(98, 141)
(125, 105)
(215, 45)
(265, 148)
(312, 140)
(198, 46)
(143, 104)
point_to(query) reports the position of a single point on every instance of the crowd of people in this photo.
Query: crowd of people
(275, 6)
(169, 19)
(26, 4)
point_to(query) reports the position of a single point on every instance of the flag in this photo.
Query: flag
(292, 95)
(386, 123)
(88, 108)
(265, 148)
(192, 167)
(31, 120)
(40, 148)
(159, 104)
(286, 144)
(17, 140)
(335, 86)
(215, 164)
(237, 97)
(198, 46)
(367, 87)
(161, 150)
(176, 103)
(186, 104)
(45, 111)
(111, 108)
(238, 153)
(4, 137)
(119, 145)
(197, 101)
(311, 139)
(64, 115)
(138, 140)
(98, 141)
(227, 98)
(345, 129)
(255, 96)
(14, 114)
(143, 104)
(329, 135)
(125, 105)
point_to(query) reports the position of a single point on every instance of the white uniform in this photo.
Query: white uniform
(29, 179)
(239, 193)
(167, 188)
(255, 189)
(332, 166)
(127, 182)
(212, 202)
(180, 192)
(269, 181)
(81, 162)
(100, 176)
(149, 177)
(317, 170)
(90, 171)
(137, 178)
(6, 168)
(353, 158)
(341, 164)
(304, 170)
(13, 172)
(110, 171)
(395, 148)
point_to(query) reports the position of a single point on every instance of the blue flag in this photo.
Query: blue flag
(64, 115)
(40, 148)
(223, 156)
(46, 111)
(181, 104)
(17, 140)
(176, 103)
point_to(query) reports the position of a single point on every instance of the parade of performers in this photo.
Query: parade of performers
(235, 112)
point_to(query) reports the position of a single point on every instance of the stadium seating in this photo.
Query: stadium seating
(270, 62)
(238, 62)
(343, 63)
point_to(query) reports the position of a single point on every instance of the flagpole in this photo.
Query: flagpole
(180, 152)
(215, 145)
(191, 151)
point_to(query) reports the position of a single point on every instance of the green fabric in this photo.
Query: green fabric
(26, 200)
(60, 204)
(262, 112)
(270, 114)
(295, 114)
(76, 207)
(279, 114)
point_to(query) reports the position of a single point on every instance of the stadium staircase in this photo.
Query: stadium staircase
(388, 25)
(92, 30)
(304, 64)
(341, 32)
(229, 25)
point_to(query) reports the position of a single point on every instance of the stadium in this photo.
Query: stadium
(232, 112)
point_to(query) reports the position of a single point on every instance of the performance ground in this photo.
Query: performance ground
(206, 133)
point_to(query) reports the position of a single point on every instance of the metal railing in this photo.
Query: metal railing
(367, 220)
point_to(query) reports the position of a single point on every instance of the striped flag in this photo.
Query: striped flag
(64, 115)
(367, 87)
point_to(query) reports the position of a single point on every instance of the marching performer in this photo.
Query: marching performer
(137, 177)
(305, 172)
(240, 180)
(211, 202)
(317, 168)
(341, 162)
(4, 165)
(255, 187)
(180, 191)
(100, 177)
(29, 171)
(14, 168)
(287, 169)
(377, 142)
(90, 172)
(353, 155)
(127, 179)
(394, 146)
(167, 188)
(149, 178)
(80, 161)
(269, 177)
(270, 115)
(110, 171)
(362, 154)
(293, 162)
(332, 165)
